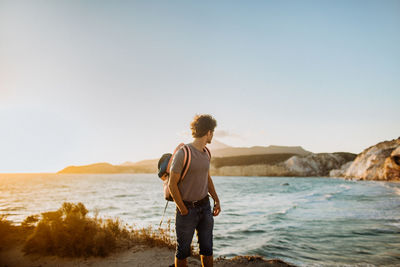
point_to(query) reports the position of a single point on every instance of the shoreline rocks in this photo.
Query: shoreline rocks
(380, 162)
(299, 166)
(317, 164)
(392, 165)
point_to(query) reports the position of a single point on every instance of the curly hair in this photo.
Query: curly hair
(201, 124)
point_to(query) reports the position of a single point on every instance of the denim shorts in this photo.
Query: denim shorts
(200, 219)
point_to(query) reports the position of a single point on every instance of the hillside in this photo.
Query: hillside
(268, 159)
(259, 150)
(107, 168)
(242, 161)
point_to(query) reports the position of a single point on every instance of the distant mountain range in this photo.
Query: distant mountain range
(378, 162)
(218, 150)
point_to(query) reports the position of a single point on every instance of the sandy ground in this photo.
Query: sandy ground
(136, 256)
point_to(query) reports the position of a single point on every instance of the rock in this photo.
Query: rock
(239, 261)
(317, 164)
(340, 172)
(303, 166)
(392, 165)
(378, 162)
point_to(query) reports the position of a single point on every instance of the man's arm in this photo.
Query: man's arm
(213, 193)
(175, 193)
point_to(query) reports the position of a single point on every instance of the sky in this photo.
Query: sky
(114, 81)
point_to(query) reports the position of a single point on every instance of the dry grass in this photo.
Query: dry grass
(161, 237)
(11, 234)
(6, 228)
(70, 232)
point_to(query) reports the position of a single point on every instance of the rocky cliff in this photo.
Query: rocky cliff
(258, 150)
(295, 165)
(250, 170)
(378, 162)
(317, 164)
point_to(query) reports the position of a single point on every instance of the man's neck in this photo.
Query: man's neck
(199, 143)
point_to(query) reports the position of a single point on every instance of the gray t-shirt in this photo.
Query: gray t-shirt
(195, 184)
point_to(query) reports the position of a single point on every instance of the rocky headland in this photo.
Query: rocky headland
(319, 164)
(379, 162)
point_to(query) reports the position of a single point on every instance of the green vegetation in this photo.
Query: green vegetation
(69, 232)
(269, 159)
(346, 155)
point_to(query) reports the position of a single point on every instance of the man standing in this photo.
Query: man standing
(191, 194)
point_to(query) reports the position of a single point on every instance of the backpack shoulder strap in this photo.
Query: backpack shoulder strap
(170, 160)
(186, 161)
(208, 152)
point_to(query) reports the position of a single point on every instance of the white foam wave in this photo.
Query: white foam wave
(347, 187)
(397, 224)
(284, 211)
(396, 191)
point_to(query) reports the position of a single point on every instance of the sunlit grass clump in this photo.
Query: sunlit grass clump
(155, 238)
(70, 232)
(6, 228)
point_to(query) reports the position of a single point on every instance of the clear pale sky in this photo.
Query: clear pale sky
(114, 81)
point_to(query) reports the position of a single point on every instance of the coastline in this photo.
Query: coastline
(68, 237)
(138, 255)
(355, 179)
(325, 192)
(380, 162)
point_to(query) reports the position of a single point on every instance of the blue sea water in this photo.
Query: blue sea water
(304, 221)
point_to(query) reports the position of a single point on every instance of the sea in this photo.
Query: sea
(304, 221)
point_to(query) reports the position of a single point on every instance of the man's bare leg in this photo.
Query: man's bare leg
(180, 263)
(206, 261)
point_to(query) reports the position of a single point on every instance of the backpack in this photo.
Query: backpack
(164, 166)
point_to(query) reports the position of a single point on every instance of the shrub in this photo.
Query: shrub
(162, 237)
(5, 229)
(30, 222)
(69, 232)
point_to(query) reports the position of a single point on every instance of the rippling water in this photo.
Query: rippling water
(305, 221)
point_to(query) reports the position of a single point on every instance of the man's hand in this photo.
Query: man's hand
(176, 195)
(184, 211)
(211, 190)
(217, 209)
